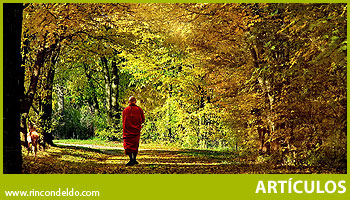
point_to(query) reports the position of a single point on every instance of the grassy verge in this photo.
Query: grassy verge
(93, 141)
(119, 144)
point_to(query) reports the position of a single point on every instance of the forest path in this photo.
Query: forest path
(98, 159)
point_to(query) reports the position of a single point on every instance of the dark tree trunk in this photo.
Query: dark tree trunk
(28, 98)
(13, 87)
(47, 108)
(108, 89)
(115, 91)
(46, 117)
(112, 78)
(34, 79)
(23, 128)
(93, 99)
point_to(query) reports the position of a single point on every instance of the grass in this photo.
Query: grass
(119, 144)
(93, 141)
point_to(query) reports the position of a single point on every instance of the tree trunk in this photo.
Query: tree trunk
(115, 91)
(112, 91)
(46, 117)
(28, 98)
(108, 89)
(93, 101)
(266, 88)
(47, 108)
(13, 87)
(60, 99)
(34, 79)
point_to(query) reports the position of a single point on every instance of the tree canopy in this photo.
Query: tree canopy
(267, 80)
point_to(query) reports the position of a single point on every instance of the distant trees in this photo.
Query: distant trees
(297, 49)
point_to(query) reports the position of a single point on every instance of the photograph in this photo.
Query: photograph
(193, 89)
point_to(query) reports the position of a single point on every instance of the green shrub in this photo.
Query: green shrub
(110, 134)
(73, 124)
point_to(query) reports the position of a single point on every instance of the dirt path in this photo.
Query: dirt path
(95, 159)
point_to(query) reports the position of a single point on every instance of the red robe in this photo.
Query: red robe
(133, 117)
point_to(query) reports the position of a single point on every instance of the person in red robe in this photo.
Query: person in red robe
(133, 117)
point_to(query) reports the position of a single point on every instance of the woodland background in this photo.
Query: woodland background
(266, 81)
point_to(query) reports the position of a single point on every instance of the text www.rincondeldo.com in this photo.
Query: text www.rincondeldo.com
(51, 193)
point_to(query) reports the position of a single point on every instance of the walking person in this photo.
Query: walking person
(133, 117)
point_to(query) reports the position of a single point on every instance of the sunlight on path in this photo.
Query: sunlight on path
(92, 146)
(99, 159)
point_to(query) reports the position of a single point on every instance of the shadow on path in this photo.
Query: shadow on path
(82, 159)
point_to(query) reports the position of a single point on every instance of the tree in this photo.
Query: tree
(268, 79)
(13, 87)
(254, 60)
(48, 28)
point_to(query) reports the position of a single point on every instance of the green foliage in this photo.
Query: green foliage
(73, 123)
(105, 132)
(200, 129)
(109, 134)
